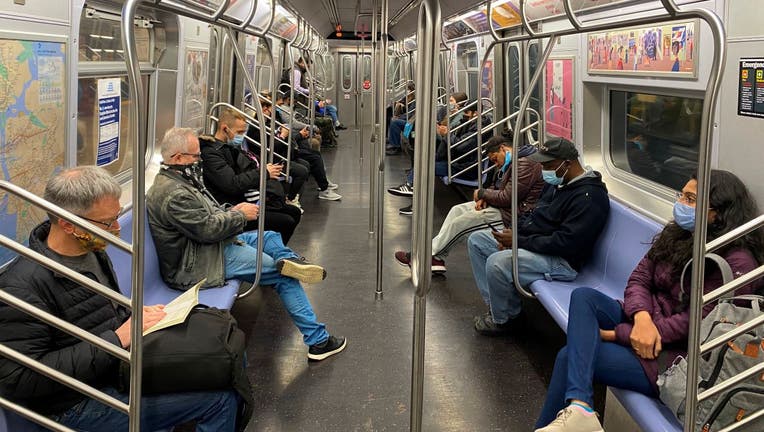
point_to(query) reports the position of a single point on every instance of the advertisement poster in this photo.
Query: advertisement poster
(486, 80)
(109, 98)
(668, 49)
(505, 15)
(195, 88)
(559, 97)
(750, 98)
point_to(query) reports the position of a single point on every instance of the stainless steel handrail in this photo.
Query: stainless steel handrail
(31, 415)
(381, 87)
(139, 207)
(428, 46)
(373, 186)
(263, 165)
(250, 121)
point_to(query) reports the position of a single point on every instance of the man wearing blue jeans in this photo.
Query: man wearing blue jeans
(93, 194)
(196, 239)
(553, 242)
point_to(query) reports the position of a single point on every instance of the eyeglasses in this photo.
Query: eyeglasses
(688, 198)
(195, 155)
(109, 224)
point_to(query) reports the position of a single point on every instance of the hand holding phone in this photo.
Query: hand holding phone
(493, 228)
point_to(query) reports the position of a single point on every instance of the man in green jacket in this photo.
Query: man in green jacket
(197, 239)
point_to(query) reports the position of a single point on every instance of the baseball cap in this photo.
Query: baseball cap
(555, 148)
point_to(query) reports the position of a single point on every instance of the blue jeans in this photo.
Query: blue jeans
(492, 269)
(394, 132)
(332, 111)
(587, 358)
(241, 262)
(213, 412)
(441, 170)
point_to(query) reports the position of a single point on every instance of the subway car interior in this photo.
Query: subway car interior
(402, 136)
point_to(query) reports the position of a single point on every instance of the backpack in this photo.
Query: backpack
(204, 353)
(736, 355)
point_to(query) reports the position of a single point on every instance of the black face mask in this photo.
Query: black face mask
(191, 172)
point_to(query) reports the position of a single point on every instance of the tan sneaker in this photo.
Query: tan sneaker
(300, 269)
(574, 419)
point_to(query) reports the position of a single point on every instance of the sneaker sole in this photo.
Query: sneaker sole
(399, 193)
(319, 357)
(307, 273)
(330, 199)
(438, 269)
(402, 263)
(406, 213)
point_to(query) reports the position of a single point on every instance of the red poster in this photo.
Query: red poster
(559, 98)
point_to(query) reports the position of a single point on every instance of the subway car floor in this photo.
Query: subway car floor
(472, 382)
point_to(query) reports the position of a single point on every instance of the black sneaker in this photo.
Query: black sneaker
(392, 151)
(327, 348)
(404, 190)
(301, 269)
(408, 210)
(340, 127)
(485, 325)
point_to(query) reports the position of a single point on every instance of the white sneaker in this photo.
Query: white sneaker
(296, 202)
(329, 195)
(574, 419)
(332, 186)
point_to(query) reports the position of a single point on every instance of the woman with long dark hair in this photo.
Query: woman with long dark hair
(618, 344)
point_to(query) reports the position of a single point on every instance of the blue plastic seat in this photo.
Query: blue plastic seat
(623, 242)
(155, 291)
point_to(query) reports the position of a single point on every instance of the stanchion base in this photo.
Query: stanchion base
(378, 295)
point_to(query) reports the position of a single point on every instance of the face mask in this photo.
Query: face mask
(192, 172)
(451, 106)
(237, 140)
(638, 145)
(550, 176)
(507, 161)
(92, 243)
(684, 216)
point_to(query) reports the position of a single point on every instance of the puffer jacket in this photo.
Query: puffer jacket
(71, 302)
(189, 231)
(530, 184)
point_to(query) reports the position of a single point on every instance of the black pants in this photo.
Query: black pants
(315, 163)
(283, 221)
(299, 173)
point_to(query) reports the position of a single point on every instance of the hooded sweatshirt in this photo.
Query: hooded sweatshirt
(567, 220)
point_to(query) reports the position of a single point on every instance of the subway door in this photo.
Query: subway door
(347, 92)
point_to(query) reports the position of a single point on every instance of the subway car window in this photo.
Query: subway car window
(514, 77)
(89, 132)
(655, 136)
(101, 40)
(347, 73)
(467, 64)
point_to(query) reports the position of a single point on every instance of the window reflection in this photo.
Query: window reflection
(101, 40)
(655, 136)
(347, 71)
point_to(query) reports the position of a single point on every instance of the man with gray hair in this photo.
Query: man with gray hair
(196, 239)
(92, 194)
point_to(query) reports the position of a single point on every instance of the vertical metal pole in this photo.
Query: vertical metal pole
(358, 100)
(701, 210)
(139, 208)
(373, 203)
(428, 44)
(382, 86)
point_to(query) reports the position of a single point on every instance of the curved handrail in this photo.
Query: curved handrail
(263, 165)
(428, 33)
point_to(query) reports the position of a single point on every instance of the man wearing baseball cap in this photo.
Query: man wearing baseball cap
(553, 243)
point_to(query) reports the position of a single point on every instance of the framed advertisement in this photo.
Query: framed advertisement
(662, 50)
(558, 97)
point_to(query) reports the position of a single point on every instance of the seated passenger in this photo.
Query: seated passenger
(332, 111)
(554, 242)
(619, 343)
(492, 206)
(402, 110)
(303, 153)
(325, 125)
(233, 176)
(196, 239)
(93, 194)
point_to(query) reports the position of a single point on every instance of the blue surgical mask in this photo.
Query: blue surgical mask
(507, 161)
(684, 216)
(550, 176)
(237, 140)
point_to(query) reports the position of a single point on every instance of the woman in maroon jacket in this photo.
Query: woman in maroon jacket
(618, 343)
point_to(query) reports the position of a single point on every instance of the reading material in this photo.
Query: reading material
(177, 310)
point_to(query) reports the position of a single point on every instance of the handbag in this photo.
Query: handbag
(204, 353)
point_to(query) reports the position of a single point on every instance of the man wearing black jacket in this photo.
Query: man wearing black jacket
(93, 194)
(232, 175)
(553, 243)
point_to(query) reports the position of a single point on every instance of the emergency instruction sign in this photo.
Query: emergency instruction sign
(109, 99)
(750, 98)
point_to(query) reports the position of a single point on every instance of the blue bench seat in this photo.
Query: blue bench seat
(624, 241)
(155, 291)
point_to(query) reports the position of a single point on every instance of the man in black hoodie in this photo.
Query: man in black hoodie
(553, 243)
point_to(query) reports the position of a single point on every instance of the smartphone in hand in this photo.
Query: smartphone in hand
(493, 228)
